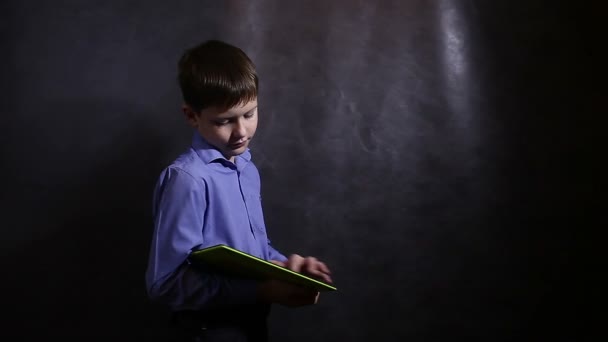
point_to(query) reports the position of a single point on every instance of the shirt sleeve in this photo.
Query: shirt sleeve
(179, 207)
(273, 254)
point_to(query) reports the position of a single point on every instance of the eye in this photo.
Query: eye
(249, 115)
(220, 122)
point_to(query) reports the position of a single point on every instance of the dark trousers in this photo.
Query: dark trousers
(195, 327)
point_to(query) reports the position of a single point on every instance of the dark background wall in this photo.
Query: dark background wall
(438, 155)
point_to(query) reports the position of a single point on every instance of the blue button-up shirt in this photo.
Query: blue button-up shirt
(202, 199)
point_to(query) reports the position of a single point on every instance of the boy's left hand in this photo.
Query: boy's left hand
(307, 265)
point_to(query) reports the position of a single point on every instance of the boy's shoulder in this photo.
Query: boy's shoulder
(188, 162)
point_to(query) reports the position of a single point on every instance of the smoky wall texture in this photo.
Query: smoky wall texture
(438, 155)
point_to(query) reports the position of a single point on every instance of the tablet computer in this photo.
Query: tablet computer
(227, 260)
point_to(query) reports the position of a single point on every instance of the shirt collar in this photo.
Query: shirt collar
(209, 154)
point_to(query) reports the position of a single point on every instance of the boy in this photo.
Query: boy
(211, 195)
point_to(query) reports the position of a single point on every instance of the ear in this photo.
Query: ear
(191, 115)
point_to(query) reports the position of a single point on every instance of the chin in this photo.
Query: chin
(236, 152)
(242, 148)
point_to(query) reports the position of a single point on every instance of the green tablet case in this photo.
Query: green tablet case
(232, 261)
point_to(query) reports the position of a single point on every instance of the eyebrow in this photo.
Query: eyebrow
(251, 110)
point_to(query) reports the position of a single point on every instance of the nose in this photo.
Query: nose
(240, 129)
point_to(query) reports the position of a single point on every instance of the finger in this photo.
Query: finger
(326, 272)
(318, 266)
(310, 264)
(277, 262)
(316, 269)
(324, 268)
(322, 276)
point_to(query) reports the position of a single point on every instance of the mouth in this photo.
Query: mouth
(238, 145)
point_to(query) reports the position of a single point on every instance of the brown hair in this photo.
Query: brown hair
(216, 74)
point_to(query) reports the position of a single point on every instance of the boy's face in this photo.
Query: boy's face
(229, 131)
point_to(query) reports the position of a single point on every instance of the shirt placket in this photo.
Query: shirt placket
(244, 198)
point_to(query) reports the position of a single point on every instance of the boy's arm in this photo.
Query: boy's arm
(190, 289)
(180, 204)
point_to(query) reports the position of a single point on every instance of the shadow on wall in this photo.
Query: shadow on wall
(80, 271)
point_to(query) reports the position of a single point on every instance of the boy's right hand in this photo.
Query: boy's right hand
(276, 291)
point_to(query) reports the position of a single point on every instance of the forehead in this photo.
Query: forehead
(239, 109)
